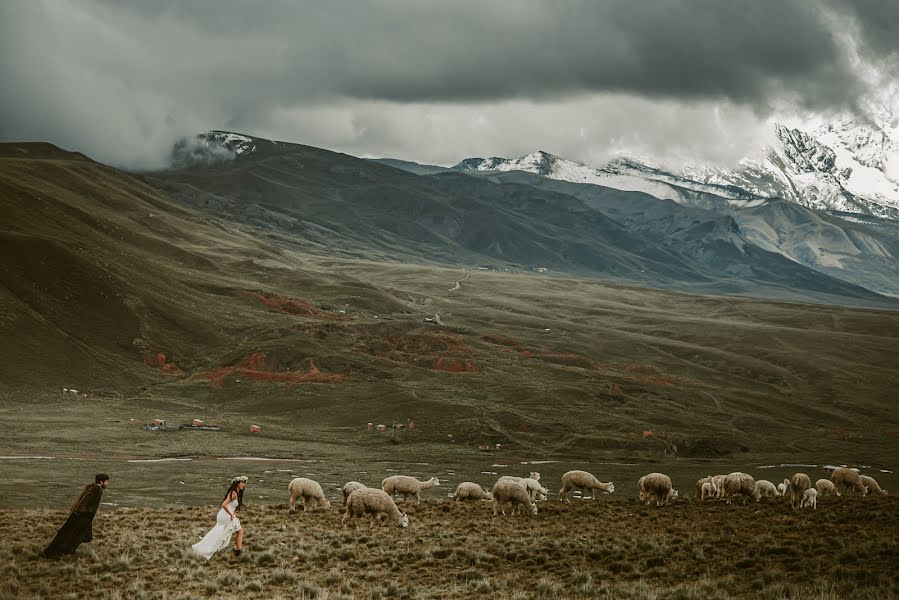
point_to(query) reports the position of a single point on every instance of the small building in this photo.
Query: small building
(196, 422)
(371, 425)
(255, 429)
(382, 427)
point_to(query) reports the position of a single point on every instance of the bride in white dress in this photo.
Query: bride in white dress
(226, 523)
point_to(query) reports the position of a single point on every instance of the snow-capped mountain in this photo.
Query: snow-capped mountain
(841, 166)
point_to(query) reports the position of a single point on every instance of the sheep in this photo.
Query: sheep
(719, 483)
(374, 503)
(846, 479)
(468, 491)
(809, 499)
(656, 486)
(740, 484)
(709, 490)
(512, 492)
(308, 490)
(871, 485)
(535, 490)
(825, 487)
(782, 487)
(407, 486)
(797, 485)
(701, 483)
(351, 486)
(766, 489)
(585, 481)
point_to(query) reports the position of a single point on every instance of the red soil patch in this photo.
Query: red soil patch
(255, 368)
(454, 365)
(293, 306)
(158, 360)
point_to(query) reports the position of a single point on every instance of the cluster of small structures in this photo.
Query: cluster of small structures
(194, 425)
(409, 424)
(523, 493)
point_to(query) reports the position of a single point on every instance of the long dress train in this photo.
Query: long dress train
(220, 535)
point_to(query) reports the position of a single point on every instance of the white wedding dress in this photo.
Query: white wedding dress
(220, 535)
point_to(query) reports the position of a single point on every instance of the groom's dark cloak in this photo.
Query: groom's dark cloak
(78, 527)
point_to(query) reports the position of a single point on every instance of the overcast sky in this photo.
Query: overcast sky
(439, 81)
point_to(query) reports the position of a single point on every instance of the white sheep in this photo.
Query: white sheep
(782, 487)
(407, 486)
(513, 493)
(719, 483)
(708, 490)
(766, 489)
(825, 487)
(535, 490)
(846, 479)
(585, 481)
(656, 486)
(351, 486)
(871, 485)
(809, 499)
(373, 503)
(798, 483)
(740, 484)
(701, 482)
(309, 490)
(469, 492)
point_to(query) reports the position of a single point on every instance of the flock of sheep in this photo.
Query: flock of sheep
(524, 492)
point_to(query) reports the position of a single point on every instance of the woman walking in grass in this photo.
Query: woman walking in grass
(226, 523)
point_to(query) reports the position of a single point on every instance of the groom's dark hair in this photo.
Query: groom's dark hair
(100, 477)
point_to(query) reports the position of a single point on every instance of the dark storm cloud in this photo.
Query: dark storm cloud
(123, 79)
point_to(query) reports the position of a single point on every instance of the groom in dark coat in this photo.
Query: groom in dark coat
(77, 528)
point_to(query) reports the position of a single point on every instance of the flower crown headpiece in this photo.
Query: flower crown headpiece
(243, 478)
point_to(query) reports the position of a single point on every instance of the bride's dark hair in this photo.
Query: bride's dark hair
(233, 488)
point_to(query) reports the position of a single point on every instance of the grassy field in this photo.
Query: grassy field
(610, 548)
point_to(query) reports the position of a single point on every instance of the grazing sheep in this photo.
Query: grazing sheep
(740, 484)
(809, 499)
(709, 490)
(871, 485)
(585, 481)
(407, 486)
(825, 487)
(846, 479)
(797, 485)
(513, 493)
(468, 491)
(351, 486)
(656, 486)
(782, 487)
(766, 489)
(373, 503)
(535, 490)
(308, 490)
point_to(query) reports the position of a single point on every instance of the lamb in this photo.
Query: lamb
(708, 490)
(740, 484)
(719, 483)
(656, 486)
(585, 481)
(825, 487)
(308, 490)
(766, 489)
(701, 483)
(513, 493)
(871, 485)
(535, 490)
(349, 487)
(797, 485)
(782, 487)
(468, 491)
(809, 499)
(407, 486)
(374, 503)
(846, 479)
